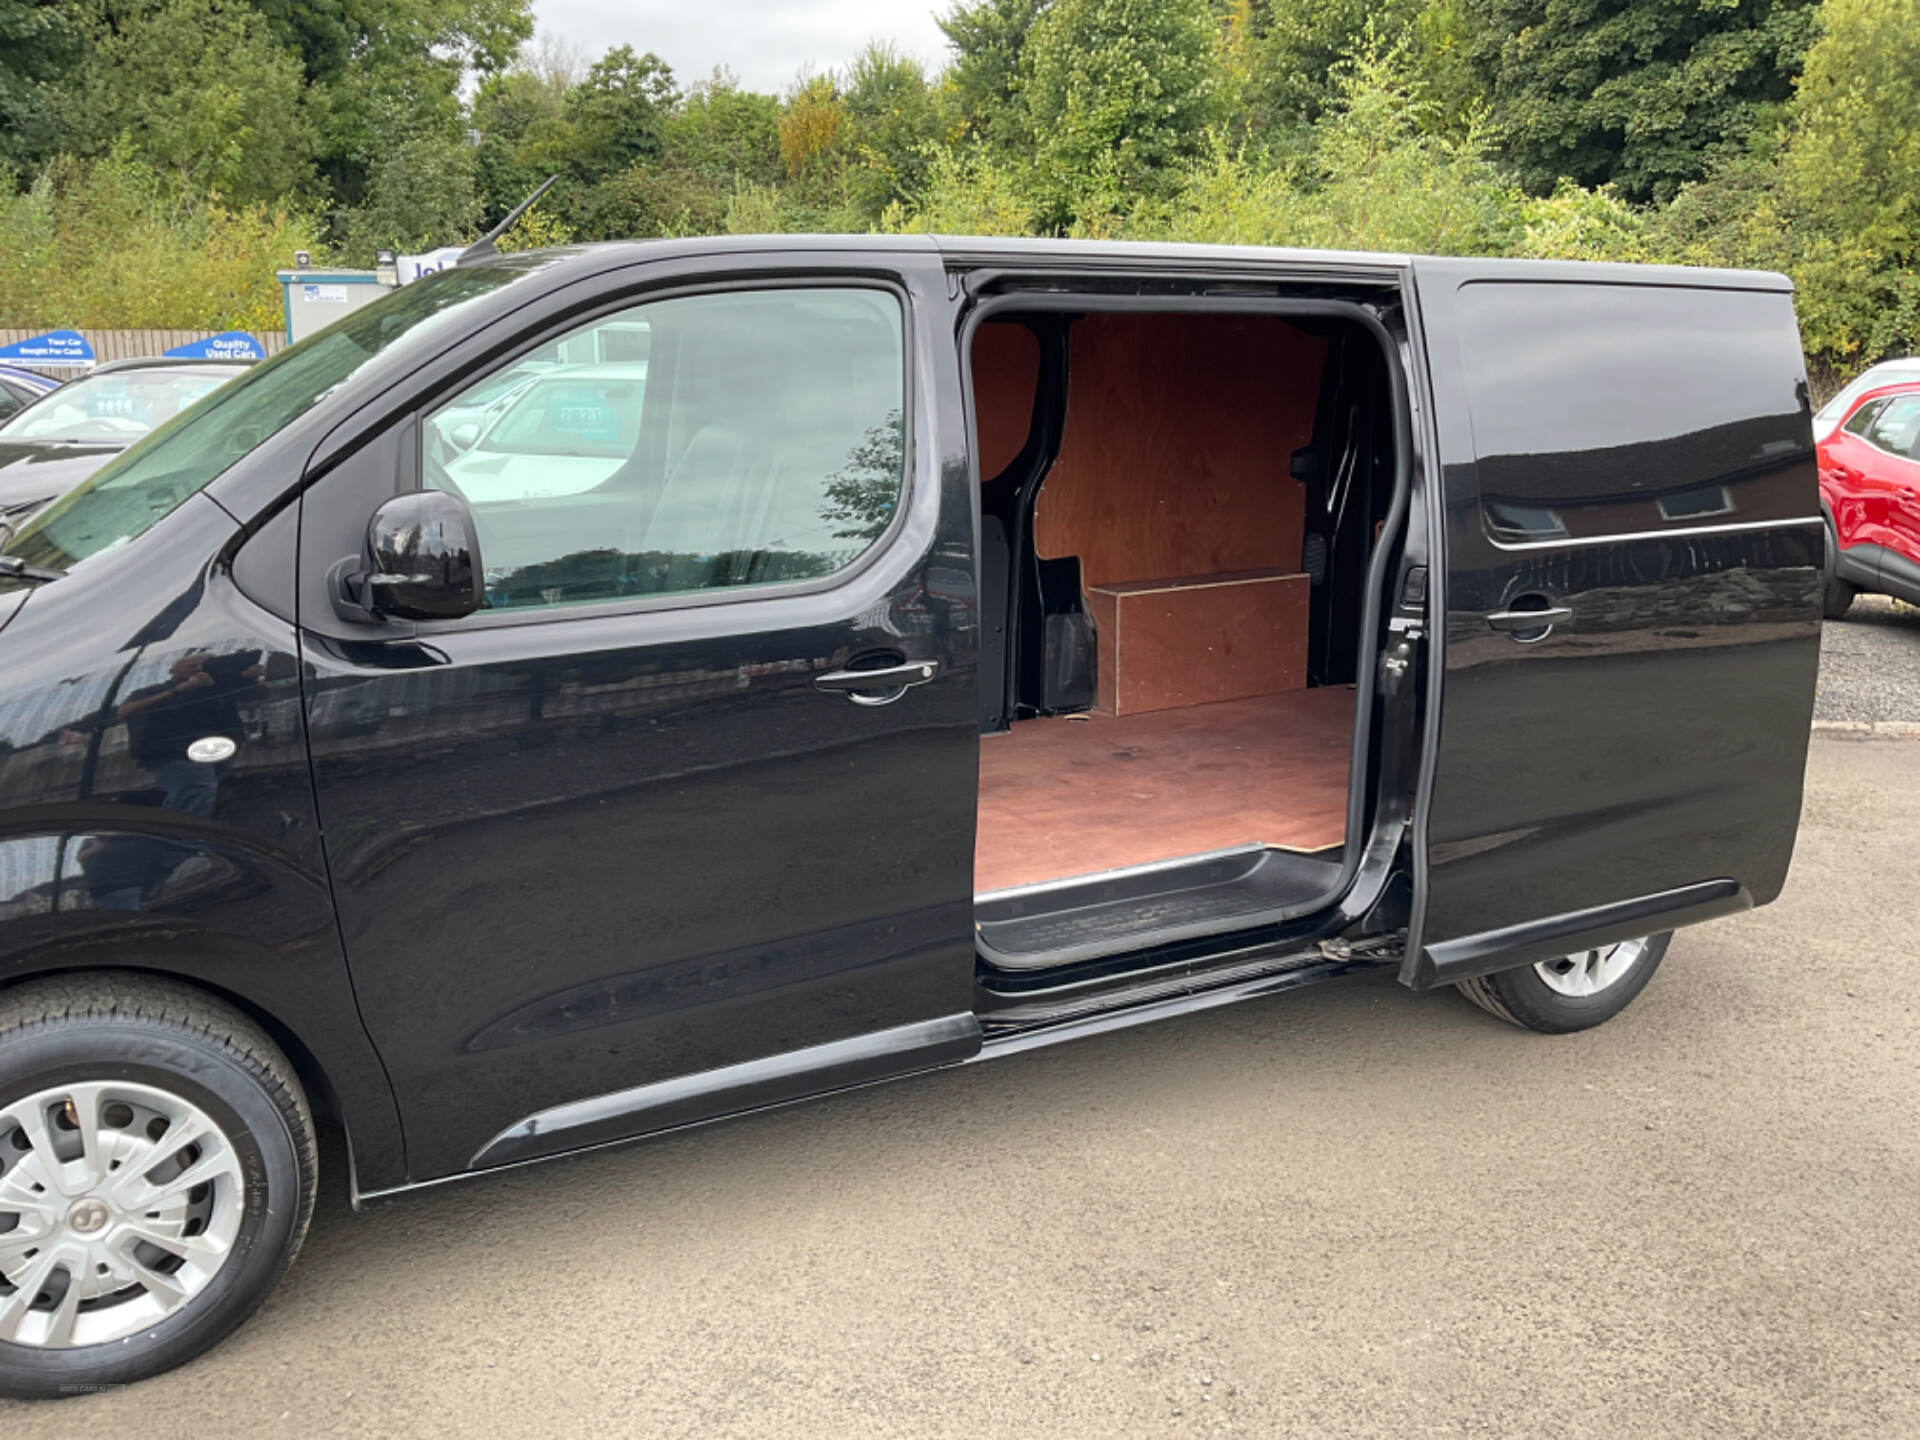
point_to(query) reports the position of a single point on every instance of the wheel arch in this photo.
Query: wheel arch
(330, 1053)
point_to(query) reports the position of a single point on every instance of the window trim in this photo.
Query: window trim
(1866, 410)
(560, 327)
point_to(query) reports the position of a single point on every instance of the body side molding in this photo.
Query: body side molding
(1555, 935)
(687, 1099)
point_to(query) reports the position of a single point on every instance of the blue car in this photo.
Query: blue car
(20, 388)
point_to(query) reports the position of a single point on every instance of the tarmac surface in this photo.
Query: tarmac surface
(1870, 665)
(1348, 1210)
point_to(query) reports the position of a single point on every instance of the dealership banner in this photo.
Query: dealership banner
(233, 345)
(56, 347)
(409, 268)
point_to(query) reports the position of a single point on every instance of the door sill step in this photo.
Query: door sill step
(1038, 927)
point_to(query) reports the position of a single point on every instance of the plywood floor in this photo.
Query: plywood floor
(1073, 795)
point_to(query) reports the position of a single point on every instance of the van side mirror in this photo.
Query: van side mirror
(463, 436)
(422, 563)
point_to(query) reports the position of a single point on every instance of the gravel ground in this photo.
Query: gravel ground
(1347, 1211)
(1870, 664)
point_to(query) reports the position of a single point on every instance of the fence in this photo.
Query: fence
(125, 344)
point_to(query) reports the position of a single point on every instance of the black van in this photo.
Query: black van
(877, 654)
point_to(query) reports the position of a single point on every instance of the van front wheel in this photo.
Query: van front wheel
(156, 1177)
(1572, 992)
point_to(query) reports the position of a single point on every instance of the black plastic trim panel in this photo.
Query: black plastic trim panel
(750, 1085)
(1555, 935)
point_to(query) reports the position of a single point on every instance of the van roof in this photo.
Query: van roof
(971, 250)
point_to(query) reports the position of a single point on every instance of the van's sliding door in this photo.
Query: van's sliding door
(1632, 552)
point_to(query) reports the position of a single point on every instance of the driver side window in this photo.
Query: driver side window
(688, 444)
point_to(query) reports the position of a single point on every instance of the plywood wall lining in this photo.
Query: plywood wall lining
(1179, 430)
(1006, 373)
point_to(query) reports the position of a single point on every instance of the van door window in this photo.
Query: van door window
(709, 441)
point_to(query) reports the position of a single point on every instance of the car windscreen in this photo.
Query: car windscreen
(113, 409)
(142, 486)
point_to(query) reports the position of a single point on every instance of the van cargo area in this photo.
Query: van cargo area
(1177, 515)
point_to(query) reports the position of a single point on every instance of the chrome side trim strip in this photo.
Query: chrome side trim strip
(1677, 532)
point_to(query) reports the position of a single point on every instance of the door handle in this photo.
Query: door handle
(878, 687)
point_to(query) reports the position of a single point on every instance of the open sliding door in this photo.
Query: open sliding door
(1632, 551)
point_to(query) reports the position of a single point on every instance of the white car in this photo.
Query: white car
(1888, 372)
(563, 434)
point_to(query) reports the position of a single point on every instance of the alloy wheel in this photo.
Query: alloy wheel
(1588, 972)
(119, 1203)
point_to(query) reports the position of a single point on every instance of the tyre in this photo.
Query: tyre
(157, 1173)
(1574, 992)
(1836, 596)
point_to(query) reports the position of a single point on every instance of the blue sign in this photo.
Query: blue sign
(234, 345)
(56, 347)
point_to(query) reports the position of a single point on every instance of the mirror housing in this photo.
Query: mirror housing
(425, 563)
(463, 436)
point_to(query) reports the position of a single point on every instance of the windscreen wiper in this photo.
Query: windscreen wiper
(12, 567)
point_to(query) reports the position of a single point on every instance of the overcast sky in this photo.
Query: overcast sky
(764, 42)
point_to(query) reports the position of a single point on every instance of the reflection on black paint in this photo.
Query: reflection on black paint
(119, 853)
(1641, 456)
(200, 700)
(1609, 410)
(595, 850)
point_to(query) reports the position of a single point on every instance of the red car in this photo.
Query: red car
(1870, 490)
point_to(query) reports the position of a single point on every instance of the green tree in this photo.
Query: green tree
(725, 133)
(988, 38)
(1852, 180)
(422, 195)
(390, 74)
(109, 242)
(524, 137)
(1378, 173)
(334, 36)
(1640, 94)
(893, 122)
(645, 201)
(618, 112)
(966, 191)
(711, 142)
(1292, 48)
(1119, 93)
(864, 492)
(813, 132)
(202, 91)
(38, 42)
